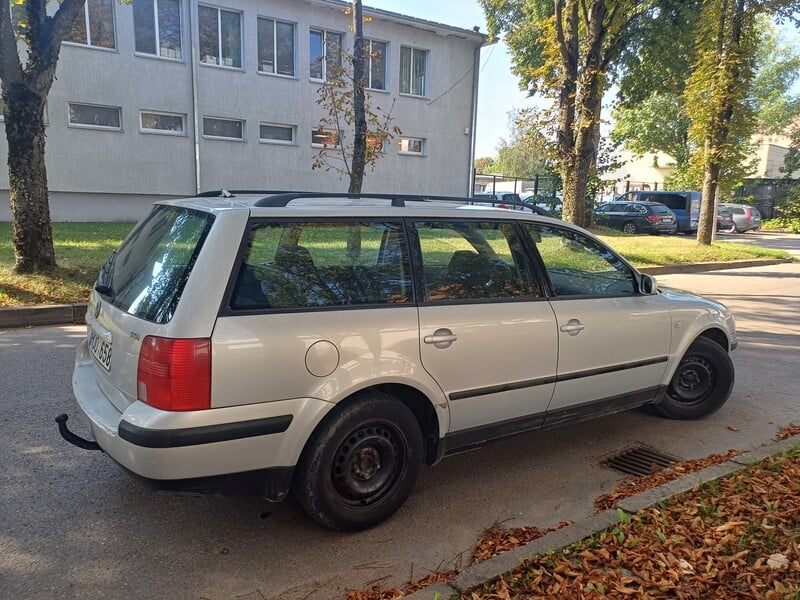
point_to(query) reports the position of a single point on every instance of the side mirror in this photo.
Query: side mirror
(648, 284)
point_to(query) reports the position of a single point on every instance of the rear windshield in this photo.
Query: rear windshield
(146, 276)
(660, 209)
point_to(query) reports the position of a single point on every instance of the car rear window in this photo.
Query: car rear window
(146, 276)
(659, 209)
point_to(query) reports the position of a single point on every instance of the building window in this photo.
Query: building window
(96, 28)
(409, 145)
(325, 51)
(376, 71)
(275, 47)
(325, 138)
(226, 129)
(220, 36)
(95, 116)
(413, 63)
(271, 133)
(162, 122)
(157, 25)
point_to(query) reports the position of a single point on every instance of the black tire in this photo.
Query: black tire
(701, 384)
(361, 464)
(629, 227)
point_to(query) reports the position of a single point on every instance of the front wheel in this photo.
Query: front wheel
(361, 464)
(629, 227)
(701, 383)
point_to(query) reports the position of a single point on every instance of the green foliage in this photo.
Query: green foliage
(787, 208)
(658, 123)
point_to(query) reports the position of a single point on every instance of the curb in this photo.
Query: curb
(46, 314)
(502, 564)
(73, 314)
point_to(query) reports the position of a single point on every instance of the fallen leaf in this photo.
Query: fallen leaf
(732, 428)
(777, 562)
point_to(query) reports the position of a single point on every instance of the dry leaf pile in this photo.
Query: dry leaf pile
(630, 487)
(790, 430)
(738, 537)
(375, 593)
(496, 539)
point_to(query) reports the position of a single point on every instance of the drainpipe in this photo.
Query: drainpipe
(476, 64)
(194, 51)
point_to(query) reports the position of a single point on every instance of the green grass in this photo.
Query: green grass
(82, 248)
(650, 250)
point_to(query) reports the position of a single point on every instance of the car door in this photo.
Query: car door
(613, 341)
(487, 332)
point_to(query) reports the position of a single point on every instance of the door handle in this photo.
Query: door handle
(573, 327)
(441, 338)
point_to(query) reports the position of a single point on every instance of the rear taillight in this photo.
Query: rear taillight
(654, 218)
(175, 374)
(748, 214)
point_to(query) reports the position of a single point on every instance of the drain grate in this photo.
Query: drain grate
(640, 461)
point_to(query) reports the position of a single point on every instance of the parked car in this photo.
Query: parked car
(333, 343)
(725, 219)
(745, 218)
(510, 201)
(636, 217)
(685, 205)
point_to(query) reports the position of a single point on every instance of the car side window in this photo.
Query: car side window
(473, 261)
(639, 209)
(300, 265)
(578, 266)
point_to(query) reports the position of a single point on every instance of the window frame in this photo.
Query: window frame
(335, 146)
(219, 48)
(93, 126)
(423, 146)
(411, 73)
(324, 58)
(88, 30)
(368, 70)
(262, 140)
(275, 22)
(157, 33)
(147, 130)
(221, 137)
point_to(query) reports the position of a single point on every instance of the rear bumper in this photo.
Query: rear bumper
(195, 445)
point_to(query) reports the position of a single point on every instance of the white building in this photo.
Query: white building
(164, 98)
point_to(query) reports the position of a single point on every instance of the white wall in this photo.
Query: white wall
(110, 173)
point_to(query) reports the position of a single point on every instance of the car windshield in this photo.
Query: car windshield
(146, 276)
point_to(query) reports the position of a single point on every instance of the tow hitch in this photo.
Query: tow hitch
(71, 437)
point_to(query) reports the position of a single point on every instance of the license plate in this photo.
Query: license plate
(666, 219)
(100, 349)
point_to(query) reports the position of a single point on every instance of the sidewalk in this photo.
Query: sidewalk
(71, 314)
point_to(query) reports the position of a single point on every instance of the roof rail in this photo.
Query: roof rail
(223, 193)
(283, 198)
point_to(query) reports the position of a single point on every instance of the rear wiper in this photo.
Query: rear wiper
(103, 285)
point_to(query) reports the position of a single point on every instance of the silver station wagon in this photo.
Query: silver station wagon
(330, 344)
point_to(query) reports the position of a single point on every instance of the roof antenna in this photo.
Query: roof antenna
(225, 193)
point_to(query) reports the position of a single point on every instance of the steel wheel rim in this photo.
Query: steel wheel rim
(694, 380)
(368, 464)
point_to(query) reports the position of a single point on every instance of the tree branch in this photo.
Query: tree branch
(10, 67)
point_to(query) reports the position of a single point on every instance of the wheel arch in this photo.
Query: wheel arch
(416, 401)
(718, 336)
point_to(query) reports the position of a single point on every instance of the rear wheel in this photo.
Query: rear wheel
(629, 227)
(701, 383)
(361, 464)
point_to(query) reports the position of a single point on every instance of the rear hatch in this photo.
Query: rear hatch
(137, 293)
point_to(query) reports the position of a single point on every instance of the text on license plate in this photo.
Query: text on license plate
(666, 219)
(100, 349)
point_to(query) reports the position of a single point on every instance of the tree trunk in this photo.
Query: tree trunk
(567, 33)
(708, 216)
(359, 110)
(25, 133)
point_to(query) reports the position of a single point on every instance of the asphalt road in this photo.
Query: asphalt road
(74, 525)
